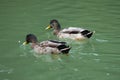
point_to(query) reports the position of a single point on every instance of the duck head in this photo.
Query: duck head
(54, 24)
(30, 38)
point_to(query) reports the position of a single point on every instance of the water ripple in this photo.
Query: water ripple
(4, 69)
(101, 40)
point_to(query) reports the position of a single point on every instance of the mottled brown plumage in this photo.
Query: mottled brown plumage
(47, 47)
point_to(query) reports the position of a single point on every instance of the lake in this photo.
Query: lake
(95, 59)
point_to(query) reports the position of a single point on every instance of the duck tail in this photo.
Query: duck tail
(64, 49)
(87, 33)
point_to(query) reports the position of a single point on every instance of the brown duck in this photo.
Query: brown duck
(47, 47)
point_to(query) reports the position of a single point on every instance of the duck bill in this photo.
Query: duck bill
(48, 27)
(24, 43)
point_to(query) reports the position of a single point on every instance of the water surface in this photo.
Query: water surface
(96, 59)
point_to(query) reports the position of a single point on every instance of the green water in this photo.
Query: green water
(96, 59)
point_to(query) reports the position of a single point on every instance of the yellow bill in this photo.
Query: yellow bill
(48, 27)
(24, 43)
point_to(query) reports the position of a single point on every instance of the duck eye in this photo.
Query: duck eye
(51, 25)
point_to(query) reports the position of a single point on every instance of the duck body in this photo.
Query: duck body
(47, 47)
(74, 33)
(45, 50)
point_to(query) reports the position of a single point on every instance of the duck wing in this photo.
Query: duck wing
(72, 30)
(57, 42)
(61, 46)
(51, 43)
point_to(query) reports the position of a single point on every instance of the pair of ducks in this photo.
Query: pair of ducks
(56, 47)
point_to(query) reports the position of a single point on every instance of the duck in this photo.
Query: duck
(73, 33)
(48, 46)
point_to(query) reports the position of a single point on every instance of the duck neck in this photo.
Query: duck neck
(34, 44)
(57, 30)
